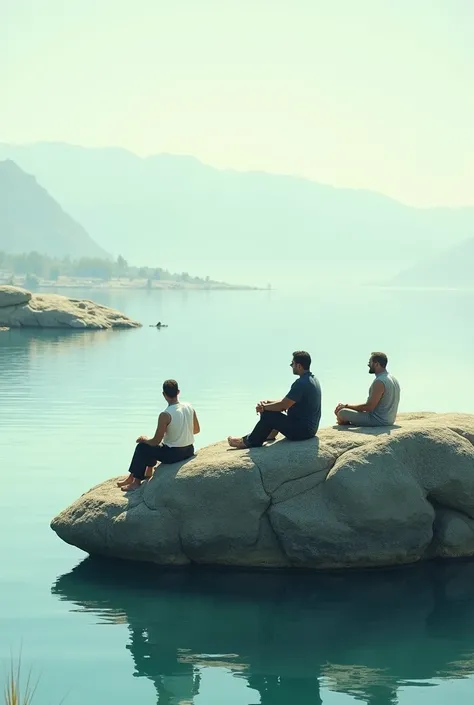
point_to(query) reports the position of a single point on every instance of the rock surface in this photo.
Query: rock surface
(13, 295)
(21, 309)
(348, 498)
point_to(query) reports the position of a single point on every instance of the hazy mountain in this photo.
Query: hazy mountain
(453, 268)
(30, 219)
(176, 212)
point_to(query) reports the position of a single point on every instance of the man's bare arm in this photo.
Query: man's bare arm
(376, 395)
(164, 420)
(196, 426)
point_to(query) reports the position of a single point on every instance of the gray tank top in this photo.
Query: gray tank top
(386, 410)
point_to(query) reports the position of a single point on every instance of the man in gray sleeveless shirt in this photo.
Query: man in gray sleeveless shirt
(381, 407)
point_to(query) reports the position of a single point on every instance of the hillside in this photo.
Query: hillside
(30, 219)
(175, 212)
(453, 268)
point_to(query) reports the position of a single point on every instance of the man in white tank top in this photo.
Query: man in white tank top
(173, 440)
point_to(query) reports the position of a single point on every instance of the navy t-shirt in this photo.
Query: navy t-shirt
(306, 411)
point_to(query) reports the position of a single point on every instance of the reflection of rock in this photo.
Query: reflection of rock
(349, 498)
(53, 311)
(276, 690)
(21, 348)
(177, 682)
(363, 634)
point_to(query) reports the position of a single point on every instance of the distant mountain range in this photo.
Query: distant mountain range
(177, 213)
(453, 268)
(30, 219)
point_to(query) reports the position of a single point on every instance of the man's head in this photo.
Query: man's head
(301, 362)
(170, 389)
(377, 363)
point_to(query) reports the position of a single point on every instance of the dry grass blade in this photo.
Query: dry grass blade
(13, 694)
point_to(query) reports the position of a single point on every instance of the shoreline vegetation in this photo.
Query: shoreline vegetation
(35, 271)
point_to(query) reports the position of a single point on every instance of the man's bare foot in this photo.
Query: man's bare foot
(272, 435)
(127, 481)
(132, 486)
(149, 472)
(236, 442)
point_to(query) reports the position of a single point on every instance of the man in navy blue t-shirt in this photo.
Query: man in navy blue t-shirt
(302, 405)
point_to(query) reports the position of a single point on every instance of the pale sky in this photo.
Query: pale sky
(374, 94)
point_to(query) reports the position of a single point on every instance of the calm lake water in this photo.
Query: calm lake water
(71, 407)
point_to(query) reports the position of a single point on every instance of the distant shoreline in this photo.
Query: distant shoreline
(128, 284)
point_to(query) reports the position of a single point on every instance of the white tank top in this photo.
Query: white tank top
(180, 429)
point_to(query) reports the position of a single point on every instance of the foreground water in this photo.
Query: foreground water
(71, 407)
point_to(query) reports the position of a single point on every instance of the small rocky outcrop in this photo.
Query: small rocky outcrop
(22, 309)
(348, 498)
(13, 296)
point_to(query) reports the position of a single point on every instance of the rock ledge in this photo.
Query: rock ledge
(348, 498)
(22, 309)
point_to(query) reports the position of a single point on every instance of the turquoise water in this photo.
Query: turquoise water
(71, 407)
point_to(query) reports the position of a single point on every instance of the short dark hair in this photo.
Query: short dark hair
(303, 358)
(170, 388)
(379, 357)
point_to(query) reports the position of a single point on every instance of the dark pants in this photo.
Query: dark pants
(146, 455)
(270, 420)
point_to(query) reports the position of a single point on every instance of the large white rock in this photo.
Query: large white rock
(350, 497)
(13, 295)
(54, 311)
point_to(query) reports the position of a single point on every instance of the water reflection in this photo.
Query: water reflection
(21, 349)
(290, 636)
(24, 340)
